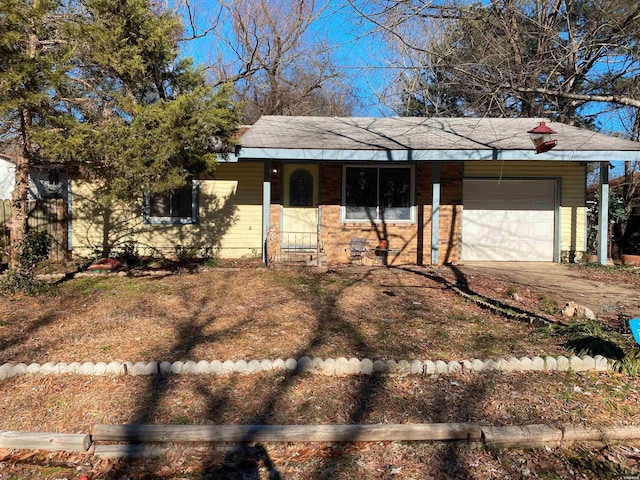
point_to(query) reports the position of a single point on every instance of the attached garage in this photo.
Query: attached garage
(477, 189)
(509, 220)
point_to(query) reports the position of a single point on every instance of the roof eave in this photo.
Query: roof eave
(304, 155)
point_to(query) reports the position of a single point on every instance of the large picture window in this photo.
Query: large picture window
(377, 194)
(179, 206)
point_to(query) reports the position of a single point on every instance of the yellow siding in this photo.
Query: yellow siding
(229, 212)
(572, 195)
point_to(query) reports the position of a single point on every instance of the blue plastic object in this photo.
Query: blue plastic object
(634, 325)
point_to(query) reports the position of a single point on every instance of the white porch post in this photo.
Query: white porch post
(435, 212)
(266, 204)
(603, 214)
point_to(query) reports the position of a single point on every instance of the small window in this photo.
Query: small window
(378, 194)
(179, 206)
(54, 177)
(301, 188)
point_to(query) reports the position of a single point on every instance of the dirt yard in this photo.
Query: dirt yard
(259, 313)
(248, 314)
(608, 291)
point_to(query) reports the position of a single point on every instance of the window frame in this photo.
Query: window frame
(192, 219)
(378, 220)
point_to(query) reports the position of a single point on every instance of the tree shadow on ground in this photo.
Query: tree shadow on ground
(241, 462)
(592, 346)
(249, 459)
(462, 284)
(32, 329)
(462, 403)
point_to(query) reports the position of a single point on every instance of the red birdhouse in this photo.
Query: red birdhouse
(541, 138)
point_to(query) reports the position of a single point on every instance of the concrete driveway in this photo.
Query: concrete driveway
(562, 283)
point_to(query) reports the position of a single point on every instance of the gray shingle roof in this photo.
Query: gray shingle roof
(410, 133)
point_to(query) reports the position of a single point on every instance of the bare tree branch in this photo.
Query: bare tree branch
(267, 51)
(617, 99)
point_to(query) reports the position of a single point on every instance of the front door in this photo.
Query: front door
(300, 209)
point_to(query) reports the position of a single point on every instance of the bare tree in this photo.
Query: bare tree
(575, 61)
(528, 58)
(278, 63)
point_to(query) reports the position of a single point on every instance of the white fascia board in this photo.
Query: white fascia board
(321, 154)
(571, 155)
(304, 155)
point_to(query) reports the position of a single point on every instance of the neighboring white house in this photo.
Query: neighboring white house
(6, 179)
(44, 182)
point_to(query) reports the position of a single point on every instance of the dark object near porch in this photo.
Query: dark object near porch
(382, 252)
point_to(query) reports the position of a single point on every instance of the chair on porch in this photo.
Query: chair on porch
(358, 249)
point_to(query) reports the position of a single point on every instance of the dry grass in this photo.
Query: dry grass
(612, 274)
(260, 313)
(383, 460)
(257, 314)
(73, 404)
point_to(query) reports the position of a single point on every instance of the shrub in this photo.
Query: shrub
(593, 338)
(548, 304)
(630, 363)
(632, 244)
(186, 253)
(22, 281)
(127, 253)
(35, 248)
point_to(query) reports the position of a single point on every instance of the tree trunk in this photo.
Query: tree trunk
(19, 199)
(22, 160)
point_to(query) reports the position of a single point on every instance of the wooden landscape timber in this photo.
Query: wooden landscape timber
(129, 450)
(536, 436)
(286, 433)
(145, 440)
(67, 442)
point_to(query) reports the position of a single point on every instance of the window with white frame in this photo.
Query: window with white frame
(178, 206)
(378, 194)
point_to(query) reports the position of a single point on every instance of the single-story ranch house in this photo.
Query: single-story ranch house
(437, 190)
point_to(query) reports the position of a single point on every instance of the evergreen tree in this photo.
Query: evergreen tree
(99, 85)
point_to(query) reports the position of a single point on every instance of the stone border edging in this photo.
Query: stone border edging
(331, 367)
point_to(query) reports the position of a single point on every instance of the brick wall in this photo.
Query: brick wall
(424, 191)
(410, 243)
(330, 186)
(276, 193)
(273, 240)
(276, 180)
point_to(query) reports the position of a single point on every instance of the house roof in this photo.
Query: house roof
(616, 182)
(412, 138)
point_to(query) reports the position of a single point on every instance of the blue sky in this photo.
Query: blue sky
(348, 38)
(360, 54)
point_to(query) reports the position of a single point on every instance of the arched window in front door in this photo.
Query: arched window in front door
(301, 188)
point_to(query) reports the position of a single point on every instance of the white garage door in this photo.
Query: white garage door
(510, 220)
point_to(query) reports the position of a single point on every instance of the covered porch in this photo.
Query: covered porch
(418, 173)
